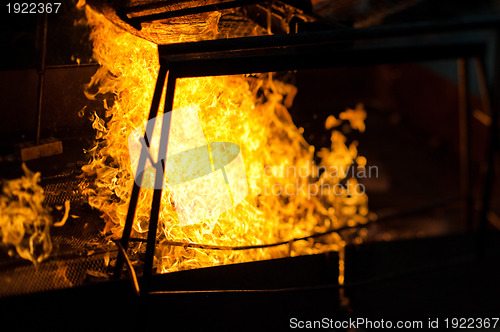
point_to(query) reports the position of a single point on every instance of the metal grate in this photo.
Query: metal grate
(20, 278)
(67, 186)
(80, 254)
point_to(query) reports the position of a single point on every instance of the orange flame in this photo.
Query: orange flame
(24, 221)
(285, 197)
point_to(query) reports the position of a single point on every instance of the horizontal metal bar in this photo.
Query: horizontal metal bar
(378, 219)
(155, 5)
(328, 55)
(274, 290)
(327, 49)
(83, 65)
(329, 36)
(135, 21)
(452, 262)
(259, 246)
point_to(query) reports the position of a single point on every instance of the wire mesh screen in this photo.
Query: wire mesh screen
(57, 272)
(80, 252)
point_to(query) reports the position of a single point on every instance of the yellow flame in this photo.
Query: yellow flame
(24, 222)
(279, 205)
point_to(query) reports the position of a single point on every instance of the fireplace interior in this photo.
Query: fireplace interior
(409, 89)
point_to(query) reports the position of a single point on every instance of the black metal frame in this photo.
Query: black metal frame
(137, 15)
(136, 21)
(338, 48)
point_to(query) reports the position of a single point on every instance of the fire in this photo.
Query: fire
(24, 221)
(288, 195)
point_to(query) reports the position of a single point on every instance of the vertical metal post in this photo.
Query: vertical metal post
(483, 85)
(269, 17)
(41, 78)
(159, 178)
(134, 197)
(465, 142)
(493, 145)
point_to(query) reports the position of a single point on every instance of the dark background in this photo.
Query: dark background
(20, 59)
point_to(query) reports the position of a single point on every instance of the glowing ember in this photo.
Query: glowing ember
(24, 222)
(288, 195)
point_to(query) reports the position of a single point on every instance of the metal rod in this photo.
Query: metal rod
(308, 38)
(459, 260)
(41, 78)
(131, 270)
(136, 21)
(134, 197)
(486, 100)
(153, 5)
(381, 218)
(75, 65)
(321, 50)
(464, 115)
(269, 17)
(258, 246)
(493, 146)
(172, 3)
(483, 85)
(159, 178)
